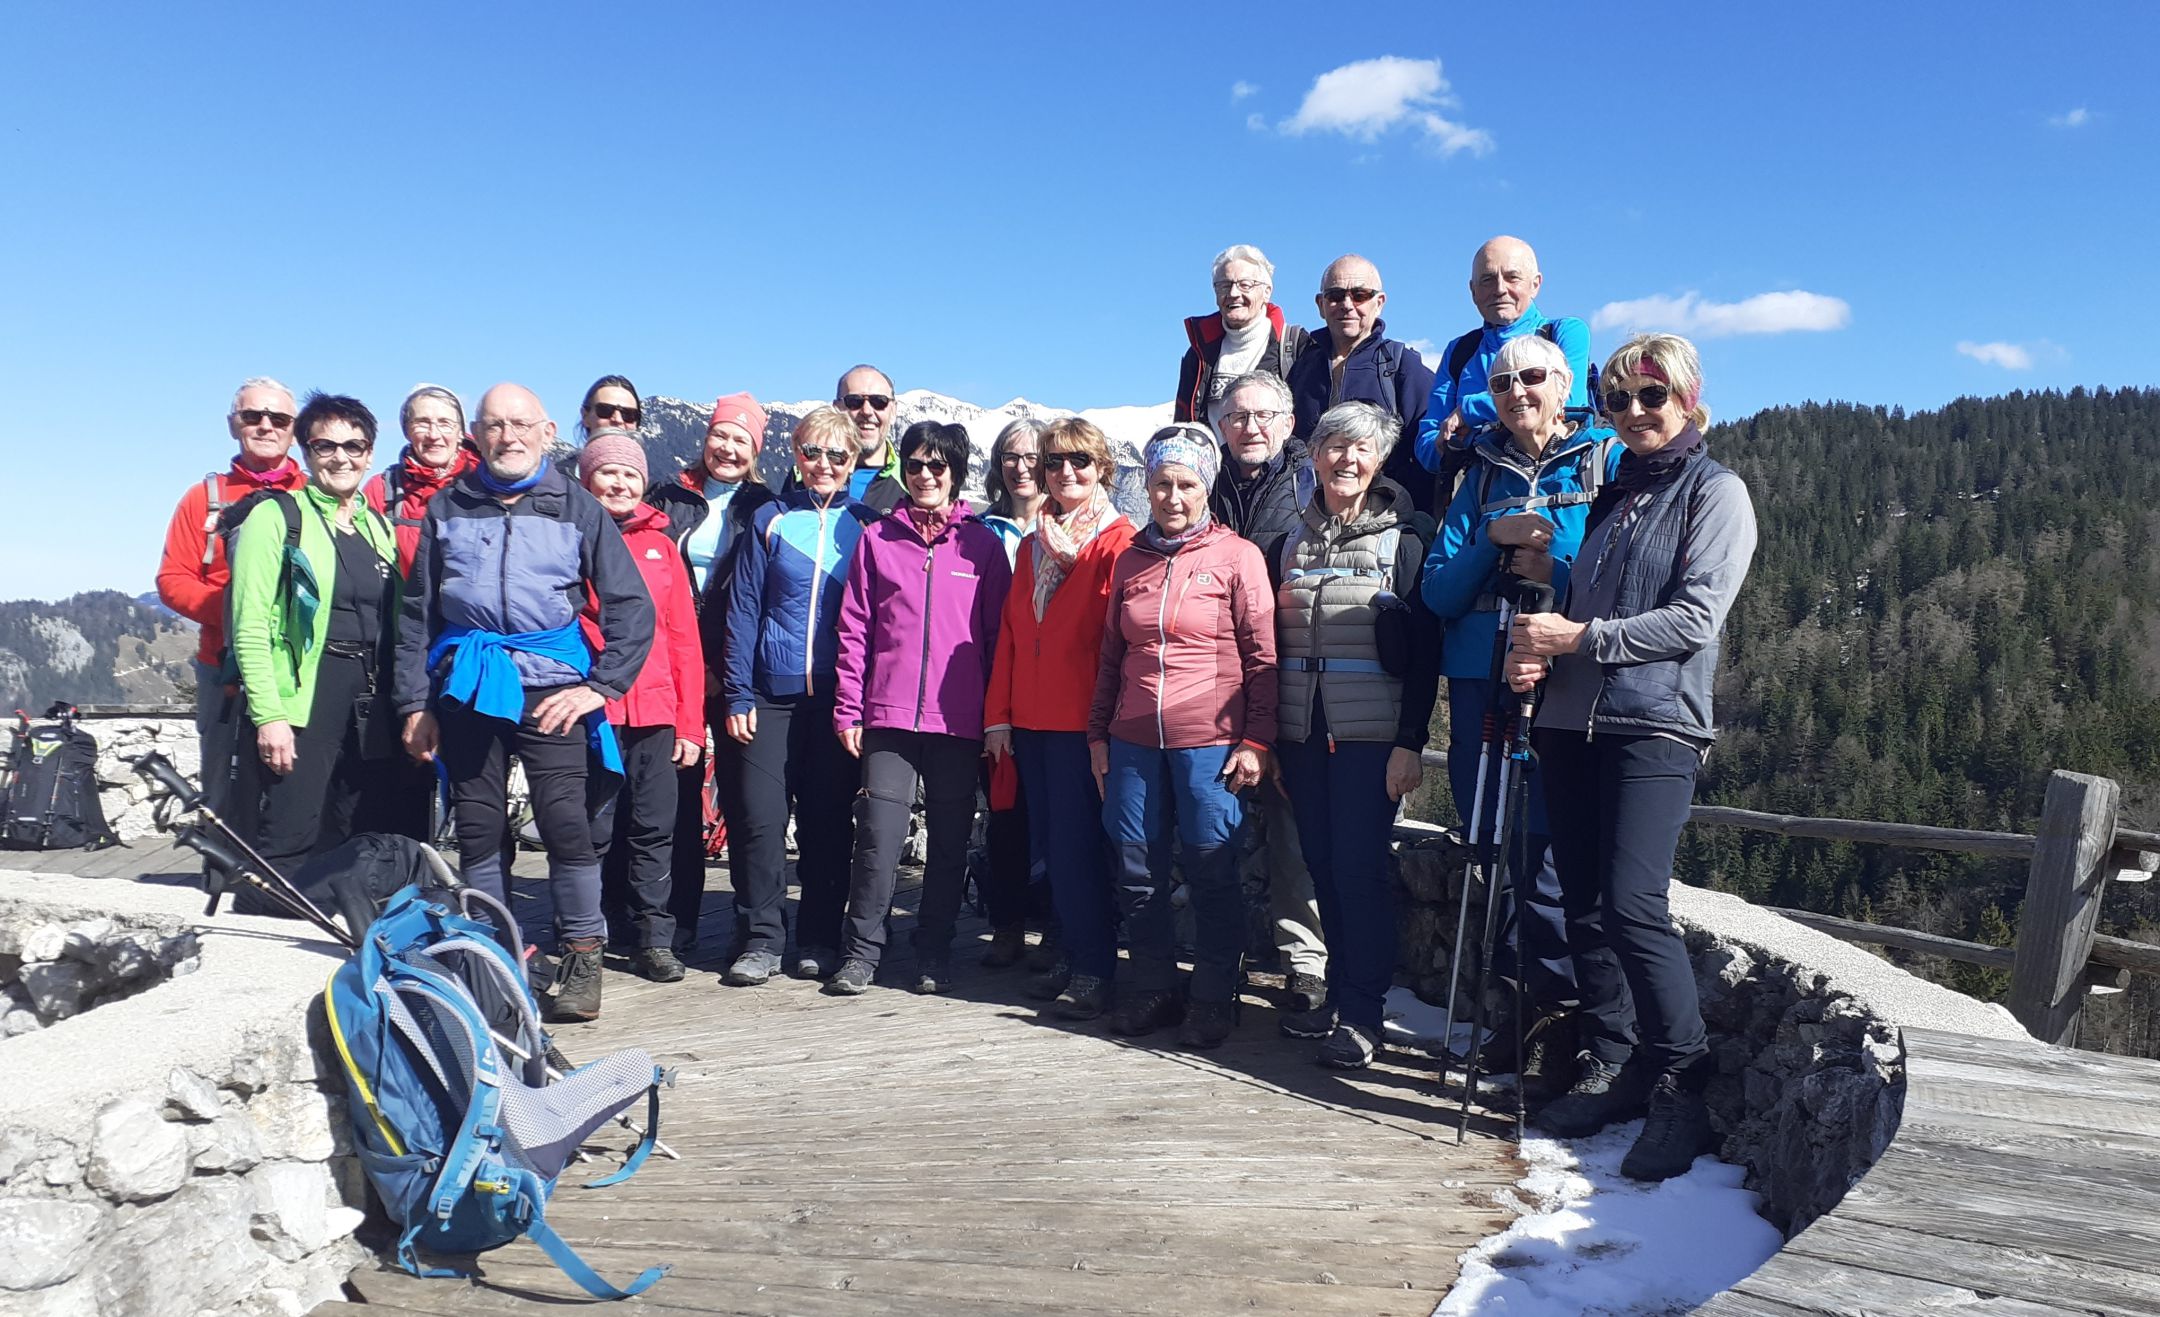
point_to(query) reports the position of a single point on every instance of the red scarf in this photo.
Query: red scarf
(284, 475)
(420, 482)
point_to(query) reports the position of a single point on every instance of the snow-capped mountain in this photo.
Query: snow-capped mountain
(674, 430)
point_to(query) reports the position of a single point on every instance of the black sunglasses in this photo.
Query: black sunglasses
(877, 401)
(915, 466)
(349, 447)
(278, 420)
(1651, 396)
(1531, 376)
(1077, 461)
(1358, 295)
(836, 456)
(608, 411)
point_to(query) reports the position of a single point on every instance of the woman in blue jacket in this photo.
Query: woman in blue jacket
(776, 682)
(1518, 515)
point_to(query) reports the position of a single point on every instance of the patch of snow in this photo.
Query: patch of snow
(1599, 1245)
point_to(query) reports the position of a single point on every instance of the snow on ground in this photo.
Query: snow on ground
(1595, 1244)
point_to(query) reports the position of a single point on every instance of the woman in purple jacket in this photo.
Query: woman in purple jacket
(918, 628)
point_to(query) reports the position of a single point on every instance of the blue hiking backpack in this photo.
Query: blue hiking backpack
(458, 1120)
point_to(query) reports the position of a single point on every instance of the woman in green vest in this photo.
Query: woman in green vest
(314, 600)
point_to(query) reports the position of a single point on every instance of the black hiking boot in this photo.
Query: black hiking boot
(1049, 984)
(1007, 946)
(577, 981)
(1677, 1132)
(1349, 1047)
(1603, 1094)
(1143, 1012)
(657, 964)
(1207, 1024)
(1084, 998)
(854, 978)
(1306, 1012)
(1548, 1062)
(1047, 955)
(933, 974)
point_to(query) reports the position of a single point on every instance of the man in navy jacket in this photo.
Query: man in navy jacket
(1353, 360)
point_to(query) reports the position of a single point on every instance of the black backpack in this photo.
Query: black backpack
(48, 787)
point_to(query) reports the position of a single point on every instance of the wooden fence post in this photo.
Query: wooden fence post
(2062, 904)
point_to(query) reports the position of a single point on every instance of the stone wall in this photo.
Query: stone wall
(181, 1150)
(1810, 1070)
(121, 737)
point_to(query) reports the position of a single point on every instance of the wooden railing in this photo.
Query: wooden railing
(2060, 954)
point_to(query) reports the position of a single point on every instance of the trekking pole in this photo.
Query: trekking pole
(1488, 741)
(1534, 597)
(160, 772)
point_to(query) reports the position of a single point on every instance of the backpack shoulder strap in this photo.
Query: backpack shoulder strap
(1459, 353)
(1550, 332)
(213, 508)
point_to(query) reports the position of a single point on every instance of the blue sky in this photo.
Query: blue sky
(1010, 200)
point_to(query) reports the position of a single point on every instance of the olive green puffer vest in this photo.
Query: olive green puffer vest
(1325, 607)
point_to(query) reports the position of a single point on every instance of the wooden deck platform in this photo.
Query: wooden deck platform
(2023, 1180)
(956, 1155)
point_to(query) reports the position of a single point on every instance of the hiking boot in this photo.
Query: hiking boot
(1349, 1047)
(1207, 1024)
(1677, 1132)
(1047, 955)
(1306, 1011)
(1304, 992)
(750, 969)
(933, 974)
(854, 977)
(1604, 1094)
(657, 964)
(1007, 946)
(1143, 1012)
(1083, 998)
(577, 981)
(1048, 984)
(814, 963)
(1548, 1064)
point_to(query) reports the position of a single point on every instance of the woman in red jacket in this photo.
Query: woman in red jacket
(1037, 705)
(1183, 718)
(659, 721)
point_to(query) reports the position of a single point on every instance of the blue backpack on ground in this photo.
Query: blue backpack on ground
(455, 1117)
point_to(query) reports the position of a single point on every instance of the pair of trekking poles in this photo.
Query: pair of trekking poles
(231, 859)
(1504, 743)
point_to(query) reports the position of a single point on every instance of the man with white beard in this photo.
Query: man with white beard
(491, 661)
(1247, 333)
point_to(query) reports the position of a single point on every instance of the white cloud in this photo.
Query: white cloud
(1240, 89)
(1371, 96)
(1257, 122)
(1691, 313)
(2076, 118)
(2009, 356)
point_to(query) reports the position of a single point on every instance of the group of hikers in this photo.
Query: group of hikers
(1242, 676)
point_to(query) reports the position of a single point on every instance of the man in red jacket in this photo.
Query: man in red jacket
(192, 574)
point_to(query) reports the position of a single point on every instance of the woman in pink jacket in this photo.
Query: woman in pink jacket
(1184, 717)
(659, 722)
(918, 630)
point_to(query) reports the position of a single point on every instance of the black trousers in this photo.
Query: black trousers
(794, 761)
(315, 806)
(638, 825)
(476, 752)
(686, 862)
(1011, 860)
(893, 763)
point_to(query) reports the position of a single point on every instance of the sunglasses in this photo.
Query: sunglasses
(836, 456)
(1651, 396)
(608, 411)
(1077, 461)
(1358, 295)
(915, 466)
(278, 420)
(349, 447)
(1531, 377)
(878, 401)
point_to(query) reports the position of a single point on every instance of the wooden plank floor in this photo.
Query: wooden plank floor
(2024, 1179)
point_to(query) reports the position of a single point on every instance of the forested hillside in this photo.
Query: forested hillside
(1945, 606)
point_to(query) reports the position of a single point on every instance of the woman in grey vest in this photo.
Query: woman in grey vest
(1359, 655)
(1623, 729)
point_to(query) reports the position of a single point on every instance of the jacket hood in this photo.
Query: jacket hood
(1203, 330)
(643, 517)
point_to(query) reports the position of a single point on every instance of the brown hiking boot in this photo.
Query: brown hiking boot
(577, 981)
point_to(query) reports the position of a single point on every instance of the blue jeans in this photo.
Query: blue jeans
(1536, 890)
(1065, 828)
(1143, 781)
(1345, 823)
(1622, 802)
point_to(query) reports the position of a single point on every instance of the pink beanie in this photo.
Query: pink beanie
(743, 410)
(615, 446)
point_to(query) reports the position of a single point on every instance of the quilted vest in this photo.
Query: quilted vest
(1331, 575)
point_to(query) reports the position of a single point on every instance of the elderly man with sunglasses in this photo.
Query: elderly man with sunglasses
(1504, 283)
(491, 661)
(193, 574)
(1353, 360)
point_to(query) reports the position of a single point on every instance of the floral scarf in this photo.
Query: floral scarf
(1059, 540)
